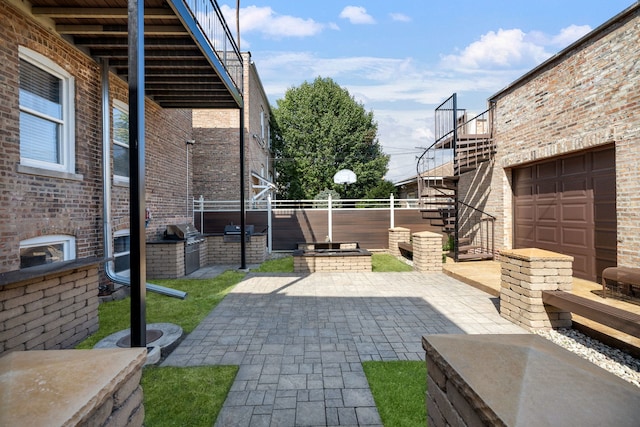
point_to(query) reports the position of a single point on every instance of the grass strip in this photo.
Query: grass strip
(380, 262)
(399, 390)
(185, 396)
(202, 296)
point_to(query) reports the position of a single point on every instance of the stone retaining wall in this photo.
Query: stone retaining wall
(50, 311)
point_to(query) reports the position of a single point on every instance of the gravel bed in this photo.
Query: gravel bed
(611, 359)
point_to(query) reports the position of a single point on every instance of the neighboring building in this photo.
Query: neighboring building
(563, 174)
(64, 145)
(216, 156)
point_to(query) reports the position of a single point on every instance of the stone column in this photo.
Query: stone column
(427, 252)
(396, 235)
(525, 274)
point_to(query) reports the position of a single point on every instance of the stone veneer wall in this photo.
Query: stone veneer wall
(165, 259)
(221, 252)
(427, 252)
(51, 311)
(346, 262)
(525, 274)
(398, 235)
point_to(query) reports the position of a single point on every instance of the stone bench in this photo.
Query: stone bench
(521, 380)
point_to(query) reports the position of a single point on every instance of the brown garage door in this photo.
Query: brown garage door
(568, 205)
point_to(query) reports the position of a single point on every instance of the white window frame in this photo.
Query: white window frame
(119, 105)
(262, 117)
(67, 123)
(68, 244)
(121, 233)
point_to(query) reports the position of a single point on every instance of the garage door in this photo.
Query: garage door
(568, 205)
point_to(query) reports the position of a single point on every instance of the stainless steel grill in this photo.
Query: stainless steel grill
(192, 237)
(232, 233)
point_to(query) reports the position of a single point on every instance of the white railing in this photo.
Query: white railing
(202, 205)
(329, 205)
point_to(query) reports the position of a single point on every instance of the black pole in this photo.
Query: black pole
(243, 219)
(136, 173)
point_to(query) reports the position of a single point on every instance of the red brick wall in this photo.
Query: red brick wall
(40, 204)
(585, 98)
(35, 205)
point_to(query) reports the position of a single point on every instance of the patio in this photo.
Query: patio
(300, 340)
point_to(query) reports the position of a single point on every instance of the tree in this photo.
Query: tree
(319, 129)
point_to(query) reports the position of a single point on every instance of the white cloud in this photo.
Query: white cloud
(508, 49)
(400, 17)
(569, 34)
(501, 49)
(357, 15)
(270, 24)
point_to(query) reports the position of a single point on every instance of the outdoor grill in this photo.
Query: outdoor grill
(232, 233)
(192, 238)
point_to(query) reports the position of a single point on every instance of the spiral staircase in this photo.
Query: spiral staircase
(468, 143)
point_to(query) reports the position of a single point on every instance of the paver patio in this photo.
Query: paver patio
(300, 340)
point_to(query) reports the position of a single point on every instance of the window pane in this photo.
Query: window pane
(121, 263)
(40, 90)
(121, 127)
(39, 255)
(39, 138)
(122, 244)
(120, 160)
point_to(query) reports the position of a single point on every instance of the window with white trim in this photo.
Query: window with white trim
(121, 251)
(120, 113)
(47, 250)
(47, 136)
(262, 130)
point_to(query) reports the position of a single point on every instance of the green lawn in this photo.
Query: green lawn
(177, 396)
(399, 389)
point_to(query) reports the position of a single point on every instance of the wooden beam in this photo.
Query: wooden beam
(118, 30)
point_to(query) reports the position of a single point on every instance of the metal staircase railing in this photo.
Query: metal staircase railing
(468, 142)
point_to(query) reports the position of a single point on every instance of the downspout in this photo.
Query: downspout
(106, 195)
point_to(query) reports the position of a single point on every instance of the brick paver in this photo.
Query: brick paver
(300, 340)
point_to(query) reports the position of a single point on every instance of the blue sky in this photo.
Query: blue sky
(402, 58)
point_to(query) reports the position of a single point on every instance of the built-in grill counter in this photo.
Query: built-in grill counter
(177, 254)
(225, 248)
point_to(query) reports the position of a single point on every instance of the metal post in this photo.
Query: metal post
(136, 173)
(243, 219)
(392, 213)
(456, 209)
(330, 218)
(269, 223)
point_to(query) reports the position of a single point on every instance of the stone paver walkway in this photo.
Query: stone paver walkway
(300, 340)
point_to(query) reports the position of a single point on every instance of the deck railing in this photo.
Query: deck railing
(209, 19)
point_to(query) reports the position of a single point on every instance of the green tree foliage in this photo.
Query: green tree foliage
(319, 129)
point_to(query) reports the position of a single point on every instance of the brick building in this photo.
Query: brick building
(216, 157)
(565, 173)
(65, 147)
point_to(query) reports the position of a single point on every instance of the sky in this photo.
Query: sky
(400, 59)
